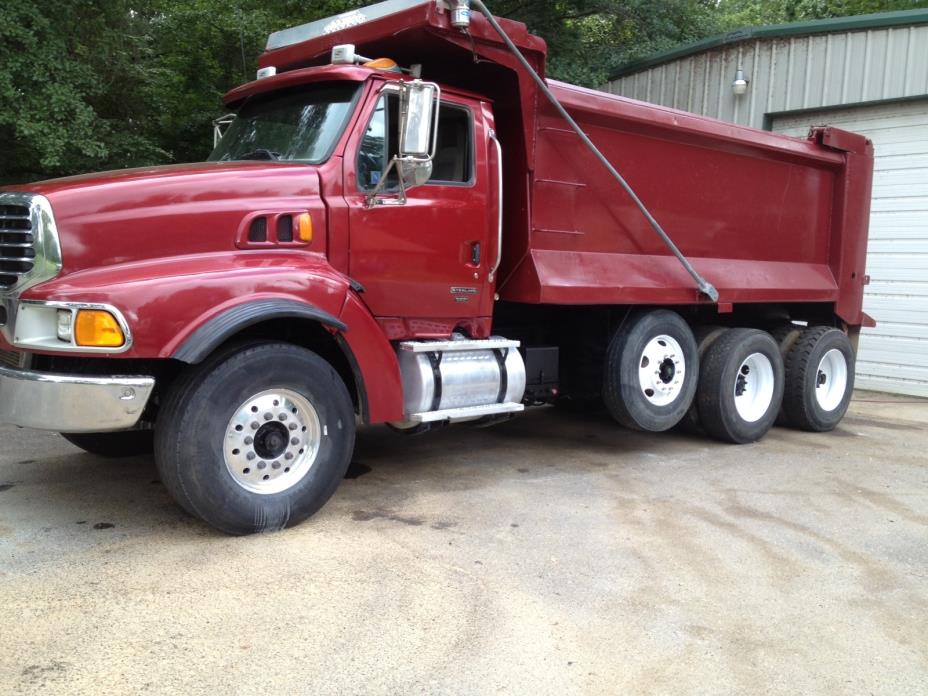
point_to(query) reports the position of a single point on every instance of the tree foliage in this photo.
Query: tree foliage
(100, 84)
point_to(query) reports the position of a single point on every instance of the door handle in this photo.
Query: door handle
(475, 253)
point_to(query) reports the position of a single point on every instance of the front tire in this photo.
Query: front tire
(651, 371)
(256, 440)
(741, 386)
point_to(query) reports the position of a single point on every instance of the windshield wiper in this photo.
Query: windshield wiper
(260, 154)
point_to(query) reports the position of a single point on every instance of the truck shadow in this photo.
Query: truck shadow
(93, 495)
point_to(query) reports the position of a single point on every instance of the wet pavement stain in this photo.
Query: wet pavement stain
(5, 486)
(368, 515)
(104, 525)
(880, 423)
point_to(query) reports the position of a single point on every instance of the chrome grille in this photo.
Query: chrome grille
(30, 251)
(17, 244)
(9, 358)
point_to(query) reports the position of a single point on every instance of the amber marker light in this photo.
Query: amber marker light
(305, 228)
(97, 328)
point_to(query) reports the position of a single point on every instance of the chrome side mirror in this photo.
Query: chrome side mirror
(417, 110)
(418, 139)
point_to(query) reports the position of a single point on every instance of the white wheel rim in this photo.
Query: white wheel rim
(831, 380)
(272, 441)
(661, 370)
(753, 388)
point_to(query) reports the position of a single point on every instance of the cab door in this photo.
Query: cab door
(427, 259)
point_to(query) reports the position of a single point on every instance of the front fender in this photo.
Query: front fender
(182, 307)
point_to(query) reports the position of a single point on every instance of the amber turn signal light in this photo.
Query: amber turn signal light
(96, 328)
(305, 228)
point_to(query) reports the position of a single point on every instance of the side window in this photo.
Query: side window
(379, 144)
(453, 156)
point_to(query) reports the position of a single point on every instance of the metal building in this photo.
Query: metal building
(867, 74)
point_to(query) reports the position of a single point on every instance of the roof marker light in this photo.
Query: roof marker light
(269, 71)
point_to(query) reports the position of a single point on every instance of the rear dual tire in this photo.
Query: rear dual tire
(819, 379)
(651, 371)
(741, 386)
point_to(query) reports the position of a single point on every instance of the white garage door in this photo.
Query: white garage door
(894, 356)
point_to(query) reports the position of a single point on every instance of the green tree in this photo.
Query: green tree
(89, 85)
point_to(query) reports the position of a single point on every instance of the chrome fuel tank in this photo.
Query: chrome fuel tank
(461, 379)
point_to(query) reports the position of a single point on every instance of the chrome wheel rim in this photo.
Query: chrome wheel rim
(661, 370)
(754, 387)
(831, 380)
(272, 441)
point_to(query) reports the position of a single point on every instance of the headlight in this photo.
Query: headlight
(65, 318)
(70, 326)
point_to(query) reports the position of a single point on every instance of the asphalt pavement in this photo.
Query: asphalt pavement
(554, 554)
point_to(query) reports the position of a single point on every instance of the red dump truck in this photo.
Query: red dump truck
(430, 234)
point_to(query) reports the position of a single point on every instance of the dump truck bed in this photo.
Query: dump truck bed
(766, 218)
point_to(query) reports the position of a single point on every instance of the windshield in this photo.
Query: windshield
(296, 126)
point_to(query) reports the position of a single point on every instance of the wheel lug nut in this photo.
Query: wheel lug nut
(255, 425)
(268, 416)
(282, 416)
(275, 465)
(288, 456)
(295, 441)
(249, 440)
(250, 456)
(262, 465)
(293, 426)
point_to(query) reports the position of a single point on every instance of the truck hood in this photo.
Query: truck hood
(136, 214)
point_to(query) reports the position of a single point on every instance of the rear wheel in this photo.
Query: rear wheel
(651, 371)
(819, 379)
(741, 386)
(785, 335)
(256, 440)
(705, 337)
(130, 443)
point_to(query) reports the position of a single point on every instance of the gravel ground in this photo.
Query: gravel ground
(555, 554)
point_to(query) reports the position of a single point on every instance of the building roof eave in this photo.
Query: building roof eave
(818, 26)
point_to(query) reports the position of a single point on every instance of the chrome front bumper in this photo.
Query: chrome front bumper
(71, 403)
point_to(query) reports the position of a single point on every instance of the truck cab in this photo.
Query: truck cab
(439, 239)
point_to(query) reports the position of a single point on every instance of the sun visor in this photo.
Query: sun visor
(345, 20)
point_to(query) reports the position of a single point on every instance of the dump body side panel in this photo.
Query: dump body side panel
(763, 217)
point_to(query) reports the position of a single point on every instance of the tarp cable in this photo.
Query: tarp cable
(704, 285)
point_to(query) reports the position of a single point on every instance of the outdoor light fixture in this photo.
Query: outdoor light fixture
(740, 85)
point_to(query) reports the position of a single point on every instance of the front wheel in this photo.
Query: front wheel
(257, 440)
